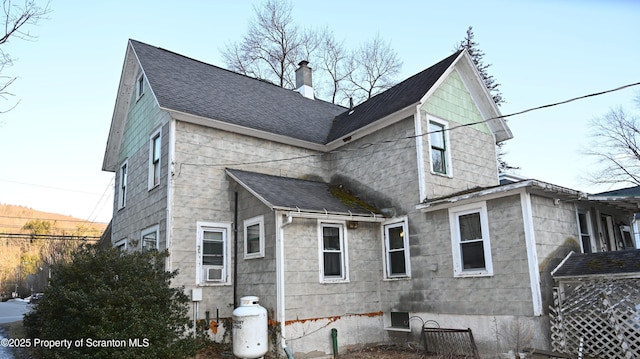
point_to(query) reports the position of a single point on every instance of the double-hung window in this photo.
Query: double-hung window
(154, 159)
(149, 237)
(124, 174)
(396, 244)
(333, 253)
(254, 237)
(471, 246)
(439, 149)
(213, 252)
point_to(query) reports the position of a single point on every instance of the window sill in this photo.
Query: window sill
(473, 274)
(445, 175)
(214, 284)
(406, 277)
(398, 329)
(334, 281)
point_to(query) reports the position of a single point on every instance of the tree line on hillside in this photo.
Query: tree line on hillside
(29, 254)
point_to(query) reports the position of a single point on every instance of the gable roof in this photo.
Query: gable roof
(292, 194)
(208, 95)
(189, 86)
(398, 97)
(615, 263)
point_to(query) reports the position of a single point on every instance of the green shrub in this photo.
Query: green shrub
(111, 304)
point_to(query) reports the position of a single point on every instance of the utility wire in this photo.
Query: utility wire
(413, 136)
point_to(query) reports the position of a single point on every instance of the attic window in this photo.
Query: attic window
(140, 86)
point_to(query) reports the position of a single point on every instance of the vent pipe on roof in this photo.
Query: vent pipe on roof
(304, 83)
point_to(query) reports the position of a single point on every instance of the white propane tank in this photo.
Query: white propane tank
(250, 331)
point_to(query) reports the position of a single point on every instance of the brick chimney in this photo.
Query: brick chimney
(304, 84)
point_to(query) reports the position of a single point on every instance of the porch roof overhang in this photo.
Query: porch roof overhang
(627, 198)
(531, 186)
(613, 264)
(305, 198)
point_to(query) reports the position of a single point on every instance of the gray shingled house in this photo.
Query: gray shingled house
(369, 220)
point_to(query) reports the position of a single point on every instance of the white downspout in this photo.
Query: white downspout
(532, 254)
(280, 296)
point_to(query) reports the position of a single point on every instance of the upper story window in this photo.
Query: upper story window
(149, 237)
(333, 253)
(124, 174)
(396, 244)
(254, 237)
(140, 86)
(213, 253)
(470, 242)
(438, 141)
(154, 158)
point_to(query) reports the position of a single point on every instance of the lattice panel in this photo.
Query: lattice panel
(602, 314)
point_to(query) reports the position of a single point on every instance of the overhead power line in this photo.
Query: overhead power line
(49, 236)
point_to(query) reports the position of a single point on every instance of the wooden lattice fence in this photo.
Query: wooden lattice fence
(603, 314)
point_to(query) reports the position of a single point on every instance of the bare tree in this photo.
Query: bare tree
(373, 68)
(274, 45)
(616, 145)
(477, 56)
(267, 50)
(334, 61)
(17, 19)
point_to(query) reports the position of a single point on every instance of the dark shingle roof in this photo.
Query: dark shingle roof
(624, 192)
(604, 263)
(305, 195)
(404, 94)
(193, 87)
(190, 86)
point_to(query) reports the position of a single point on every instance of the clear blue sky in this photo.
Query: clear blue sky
(52, 144)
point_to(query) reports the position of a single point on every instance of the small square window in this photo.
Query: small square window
(149, 238)
(397, 321)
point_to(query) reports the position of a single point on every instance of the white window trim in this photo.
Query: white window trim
(456, 212)
(151, 185)
(225, 228)
(407, 256)
(259, 220)
(122, 243)
(447, 144)
(345, 252)
(140, 86)
(122, 189)
(155, 228)
(387, 322)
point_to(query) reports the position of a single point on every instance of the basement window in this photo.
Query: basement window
(397, 321)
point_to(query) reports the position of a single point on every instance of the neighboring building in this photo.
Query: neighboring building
(367, 220)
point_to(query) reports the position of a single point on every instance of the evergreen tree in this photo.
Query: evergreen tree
(477, 56)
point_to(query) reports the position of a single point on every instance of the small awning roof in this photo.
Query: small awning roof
(628, 198)
(299, 195)
(603, 264)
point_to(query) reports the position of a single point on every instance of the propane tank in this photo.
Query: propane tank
(250, 329)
